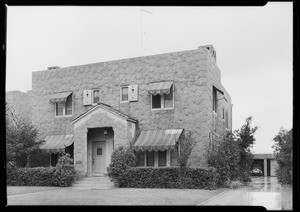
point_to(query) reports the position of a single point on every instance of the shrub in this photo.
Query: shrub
(150, 177)
(169, 177)
(235, 184)
(121, 159)
(62, 175)
(226, 160)
(38, 158)
(283, 151)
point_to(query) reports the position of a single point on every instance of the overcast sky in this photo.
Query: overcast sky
(253, 45)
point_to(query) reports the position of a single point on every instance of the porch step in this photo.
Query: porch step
(94, 183)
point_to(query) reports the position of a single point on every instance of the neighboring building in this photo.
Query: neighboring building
(145, 102)
(266, 163)
(19, 104)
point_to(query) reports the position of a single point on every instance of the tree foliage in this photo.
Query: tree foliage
(121, 159)
(245, 137)
(233, 158)
(187, 142)
(21, 140)
(226, 159)
(283, 151)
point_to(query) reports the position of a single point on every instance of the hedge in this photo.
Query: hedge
(41, 176)
(170, 177)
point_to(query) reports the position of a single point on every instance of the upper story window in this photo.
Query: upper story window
(215, 100)
(163, 101)
(63, 103)
(124, 94)
(226, 119)
(96, 96)
(64, 108)
(162, 95)
(129, 93)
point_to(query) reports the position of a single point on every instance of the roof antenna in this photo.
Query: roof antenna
(142, 10)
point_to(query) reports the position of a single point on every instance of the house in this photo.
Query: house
(145, 103)
(266, 163)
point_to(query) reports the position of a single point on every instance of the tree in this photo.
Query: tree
(21, 139)
(245, 138)
(283, 151)
(187, 143)
(226, 159)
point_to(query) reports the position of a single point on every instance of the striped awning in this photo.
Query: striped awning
(60, 97)
(160, 88)
(157, 139)
(57, 143)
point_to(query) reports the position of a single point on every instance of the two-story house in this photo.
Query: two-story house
(144, 102)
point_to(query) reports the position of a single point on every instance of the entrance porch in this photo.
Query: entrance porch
(97, 132)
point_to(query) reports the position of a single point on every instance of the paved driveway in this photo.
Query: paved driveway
(261, 191)
(116, 196)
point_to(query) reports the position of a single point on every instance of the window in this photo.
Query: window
(69, 105)
(223, 113)
(140, 155)
(99, 151)
(163, 101)
(226, 119)
(150, 158)
(59, 108)
(64, 108)
(96, 97)
(124, 94)
(162, 158)
(215, 100)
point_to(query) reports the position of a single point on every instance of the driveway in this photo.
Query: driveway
(261, 191)
(116, 196)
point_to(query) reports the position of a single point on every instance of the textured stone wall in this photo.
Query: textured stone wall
(190, 71)
(21, 104)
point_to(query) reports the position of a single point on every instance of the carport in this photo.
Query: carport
(266, 163)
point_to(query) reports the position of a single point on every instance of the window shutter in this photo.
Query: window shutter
(87, 97)
(133, 93)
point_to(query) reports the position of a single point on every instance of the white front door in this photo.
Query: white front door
(98, 157)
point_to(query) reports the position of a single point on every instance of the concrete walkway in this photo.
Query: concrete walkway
(115, 196)
(261, 191)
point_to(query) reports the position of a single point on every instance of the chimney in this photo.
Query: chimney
(53, 67)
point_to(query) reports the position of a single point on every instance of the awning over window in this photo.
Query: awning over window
(57, 143)
(60, 97)
(157, 139)
(160, 88)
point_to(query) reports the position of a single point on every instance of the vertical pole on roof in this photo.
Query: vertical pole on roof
(142, 10)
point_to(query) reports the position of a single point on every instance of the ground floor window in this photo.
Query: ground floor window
(54, 159)
(140, 155)
(150, 158)
(157, 158)
(162, 158)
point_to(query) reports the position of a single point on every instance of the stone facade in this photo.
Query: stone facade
(20, 102)
(193, 73)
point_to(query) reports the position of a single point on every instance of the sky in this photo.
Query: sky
(254, 49)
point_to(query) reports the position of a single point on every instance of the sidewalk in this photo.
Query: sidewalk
(116, 196)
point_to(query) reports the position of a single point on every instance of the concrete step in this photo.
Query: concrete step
(94, 183)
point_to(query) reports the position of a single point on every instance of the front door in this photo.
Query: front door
(98, 157)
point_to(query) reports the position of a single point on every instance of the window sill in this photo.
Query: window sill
(161, 109)
(124, 101)
(65, 116)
